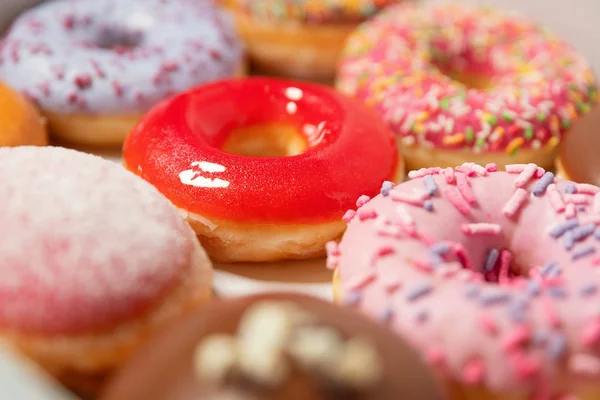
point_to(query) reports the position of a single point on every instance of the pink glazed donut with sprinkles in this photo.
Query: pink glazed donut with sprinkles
(458, 83)
(94, 67)
(92, 259)
(492, 275)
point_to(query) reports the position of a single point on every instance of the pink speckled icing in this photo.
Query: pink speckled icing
(85, 243)
(398, 62)
(492, 275)
(117, 56)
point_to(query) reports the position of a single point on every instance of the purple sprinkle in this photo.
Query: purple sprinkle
(548, 268)
(440, 248)
(581, 207)
(495, 297)
(422, 316)
(491, 259)
(471, 290)
(435, 258)
(386, 187)
(557, 344)
(569, 240)
(582, 252)
(430, 185)
(542, 184)
(352, 298)
(570, 188)
(539, 338)
(517, 308)
(533, 287)
(597, 234)
(418, 291)
(560, 229)
(588, 289)
(386, 314)
(583, 232)
(428, 205)
(558, 292)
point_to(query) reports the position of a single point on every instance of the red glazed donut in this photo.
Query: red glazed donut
(206, 151)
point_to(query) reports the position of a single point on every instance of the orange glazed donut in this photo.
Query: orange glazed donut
(300, 38)
(92, 259)
(459, 83)
(207, 149)
(21, 123)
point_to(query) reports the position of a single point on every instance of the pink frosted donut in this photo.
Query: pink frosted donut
(92, 259)
(492, 275)
(459, 83)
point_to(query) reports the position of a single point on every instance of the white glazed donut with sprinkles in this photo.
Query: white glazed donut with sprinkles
(492, 274)
(113, 59)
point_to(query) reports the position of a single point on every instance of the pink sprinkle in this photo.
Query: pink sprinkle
(491, 167)
(362, 200)
(332, 248)
(118, 88)
(479, 170)
(578, 199)
(392, 284)
(515, 168)
(481, 229)
(457, 200)
(449, 175)
(434, 171)
(570, 211)
(434, 357)
(422, 266)
(597, 203)
(385, 251)
(364, 215)
(515, 203)
(418, 173)
(488, 324)
(349, 215)
(466, 169)
(462, 255)
(586, 188)
(473, 372)
(464, 188)
(596, 261)
(539, 172)
(415, 199)
(170, 66)
(555, 198)
(525, 175)
(505, 259)
(516, 337)
(361, 281)
(591, 333)
(448, 270)
(550, 311)
(99, 71)
(525, 366)
(584, 364)
(405, 217)
(83, 81)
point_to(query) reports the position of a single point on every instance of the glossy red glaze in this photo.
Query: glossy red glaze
(350, 152)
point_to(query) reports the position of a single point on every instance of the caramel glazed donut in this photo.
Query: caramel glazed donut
(21, 123)
(275, 347)
(459, 83)
(299, 38)
(94, 67)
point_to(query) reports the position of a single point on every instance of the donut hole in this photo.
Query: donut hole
(118, 38)
(471, 80)
(269, 140)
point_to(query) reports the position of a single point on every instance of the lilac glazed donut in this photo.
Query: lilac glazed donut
(94, 67)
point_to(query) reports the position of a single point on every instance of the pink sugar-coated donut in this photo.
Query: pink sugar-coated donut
(492, 275)
(460, 83)
(92, 259)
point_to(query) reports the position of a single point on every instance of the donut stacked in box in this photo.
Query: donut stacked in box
(475, 278)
